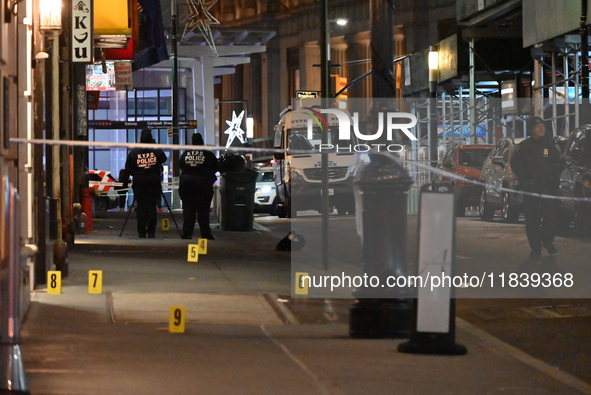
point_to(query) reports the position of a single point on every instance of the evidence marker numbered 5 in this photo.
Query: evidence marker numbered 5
(194, 250)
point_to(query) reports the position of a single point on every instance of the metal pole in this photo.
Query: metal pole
(472, 94)
(554, 95)
(538, 82)
(584, 30)
(565, 66)
(443, 118)
(324, 51)
(433, 157)
(325, 93)
(577, 100)
(55, 126)
(175, 86)
(433, 126)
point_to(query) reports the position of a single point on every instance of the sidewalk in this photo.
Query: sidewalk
(240, 338)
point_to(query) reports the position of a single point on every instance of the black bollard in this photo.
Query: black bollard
(382, 186)
(60, 257)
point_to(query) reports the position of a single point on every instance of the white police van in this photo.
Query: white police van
(299, 171)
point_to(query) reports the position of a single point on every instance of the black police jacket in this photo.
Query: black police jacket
(538, 164)
(145, 166)
(200, 164)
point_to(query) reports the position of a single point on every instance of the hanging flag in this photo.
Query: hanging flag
(151, 44)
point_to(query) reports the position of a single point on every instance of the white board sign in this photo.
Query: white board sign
(435, 257)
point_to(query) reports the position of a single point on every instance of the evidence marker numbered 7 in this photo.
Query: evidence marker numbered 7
(95, 281)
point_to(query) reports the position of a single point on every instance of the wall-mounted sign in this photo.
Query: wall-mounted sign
(97, 79)
(112, 23)
(123, 76)
(306, 94)
(140, 124)
(234, 129)
(82, 31)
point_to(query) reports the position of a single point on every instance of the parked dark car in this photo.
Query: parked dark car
(575, 180)
(464, 161)
(497, 173)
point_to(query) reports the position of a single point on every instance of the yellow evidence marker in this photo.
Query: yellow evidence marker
(193, 253)
(54, 282)
(202, 246)
(165, 224)
(176, 322)
(301, 284)
(95, 281)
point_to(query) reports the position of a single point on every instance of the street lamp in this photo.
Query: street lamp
(325, 48)
(433, 78)
(50, 15)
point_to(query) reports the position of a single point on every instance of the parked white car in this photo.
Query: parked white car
(265, 191)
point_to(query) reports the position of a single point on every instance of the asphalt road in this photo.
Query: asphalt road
(554, 329)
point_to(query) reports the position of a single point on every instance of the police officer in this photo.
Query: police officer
(198, 168)
(144, 165)
(537, 161)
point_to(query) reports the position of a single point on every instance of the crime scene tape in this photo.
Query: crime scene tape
(444, 173)
(173, 147)
(394, 156)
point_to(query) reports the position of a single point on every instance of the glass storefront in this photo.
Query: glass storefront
(135, 105)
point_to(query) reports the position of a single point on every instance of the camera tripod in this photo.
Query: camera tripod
(167, 205)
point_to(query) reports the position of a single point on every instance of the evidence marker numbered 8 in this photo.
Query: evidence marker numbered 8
(54, 282)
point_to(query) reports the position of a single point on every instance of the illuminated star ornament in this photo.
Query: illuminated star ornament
(200, 17)
(234, 129)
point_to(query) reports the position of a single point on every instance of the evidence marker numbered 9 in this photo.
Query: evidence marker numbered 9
(176, 321)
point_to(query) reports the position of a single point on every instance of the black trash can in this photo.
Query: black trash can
(237, 199)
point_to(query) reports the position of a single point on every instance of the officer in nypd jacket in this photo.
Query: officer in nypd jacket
(144, 165)
(538, 163)
(198, 168)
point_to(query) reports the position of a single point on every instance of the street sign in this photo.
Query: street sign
(306, 94)
(140, 124)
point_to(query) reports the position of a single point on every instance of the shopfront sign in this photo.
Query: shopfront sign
(82, 37)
